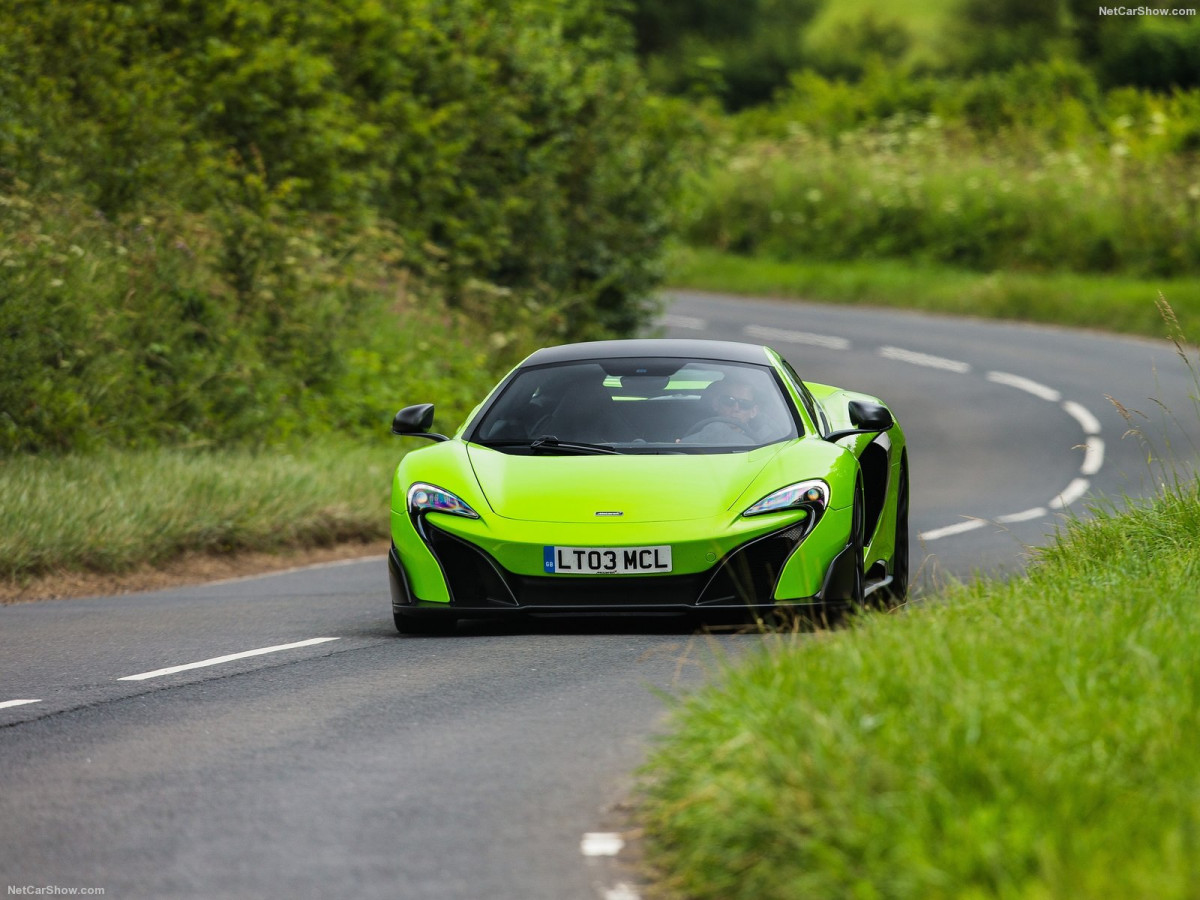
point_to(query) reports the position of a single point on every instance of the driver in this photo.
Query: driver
(732, 408)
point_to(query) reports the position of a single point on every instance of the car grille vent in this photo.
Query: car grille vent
(474, 578)
(750, 572)
(746, 575)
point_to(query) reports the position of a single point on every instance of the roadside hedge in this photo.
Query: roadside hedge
(207, 207)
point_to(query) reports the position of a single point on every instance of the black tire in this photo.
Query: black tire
(845, 581)
(858, 540)
(410, 623)
(896, 593)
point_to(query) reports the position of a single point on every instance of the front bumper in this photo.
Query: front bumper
(748, 578)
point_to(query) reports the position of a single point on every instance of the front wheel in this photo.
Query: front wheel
(858, 541)
(897, 592)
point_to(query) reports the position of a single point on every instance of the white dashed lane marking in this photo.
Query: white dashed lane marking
(218, 660)
(1093, 446)
(1025, 384)
(1024, 516)
(1081, 414)
(796, 337)
(621, 892)
(601, 843)
(947, 530)
(1075, 490)
(924, 359)
(689, 322)
(1093, 456)
(8, 703)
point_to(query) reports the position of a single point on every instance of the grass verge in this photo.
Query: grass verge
(1112, 303)
(112, 511)
(1035, 738)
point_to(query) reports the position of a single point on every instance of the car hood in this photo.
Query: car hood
(641, 488)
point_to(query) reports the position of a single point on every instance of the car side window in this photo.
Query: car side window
(815, 412)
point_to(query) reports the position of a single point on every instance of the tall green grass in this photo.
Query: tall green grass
(1119, 303)
(112, 510)
(1030, 739)
(927, 192)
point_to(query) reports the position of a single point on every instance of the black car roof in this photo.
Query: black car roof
(726, 351)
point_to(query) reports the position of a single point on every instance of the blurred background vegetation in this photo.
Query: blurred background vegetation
(246, 222)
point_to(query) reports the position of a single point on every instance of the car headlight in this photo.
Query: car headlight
(431, 498)
(810, 495)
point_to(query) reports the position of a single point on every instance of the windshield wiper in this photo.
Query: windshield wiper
(548, 443)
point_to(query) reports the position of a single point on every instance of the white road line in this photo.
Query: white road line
(959, 528)
(601, 843)
(1082, 415)
(1036, 513)
(1073, 492)
(1093, 456)
(8, 703)
(621, 892)
(216, 661)
(1025, 384)
(924, 359)
(673, 321)
(796, 337)
(1093, 447)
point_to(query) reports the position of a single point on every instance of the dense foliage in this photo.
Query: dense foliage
(1036, 168)
(986, 135)
(168, 329)
(742, 54)
(221, 220)
(739, 52)
(209, 205)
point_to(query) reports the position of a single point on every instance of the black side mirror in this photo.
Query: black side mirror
(864, 415)
(867, 418)
(415, 421)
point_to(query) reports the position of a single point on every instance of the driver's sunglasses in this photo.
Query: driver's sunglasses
(739, 402)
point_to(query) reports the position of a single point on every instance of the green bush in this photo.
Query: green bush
(209, 204)
(914, 191)
(1158, 54)
(244, 327)
(738, 53)
(990, 35)
(1033, 169)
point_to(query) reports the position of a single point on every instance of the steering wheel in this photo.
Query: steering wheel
(704, 423)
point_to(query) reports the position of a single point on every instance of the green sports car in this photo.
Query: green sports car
(650, 476)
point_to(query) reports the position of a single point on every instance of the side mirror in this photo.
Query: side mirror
(415, 421)
(867, 418)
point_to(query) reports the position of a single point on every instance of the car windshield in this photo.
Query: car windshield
(637, 406)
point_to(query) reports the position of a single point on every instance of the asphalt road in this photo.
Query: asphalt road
(348, 761)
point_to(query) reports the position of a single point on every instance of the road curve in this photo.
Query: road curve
(273, 736)
(1011, 427)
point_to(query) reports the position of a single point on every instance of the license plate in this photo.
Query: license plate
(607, 560)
